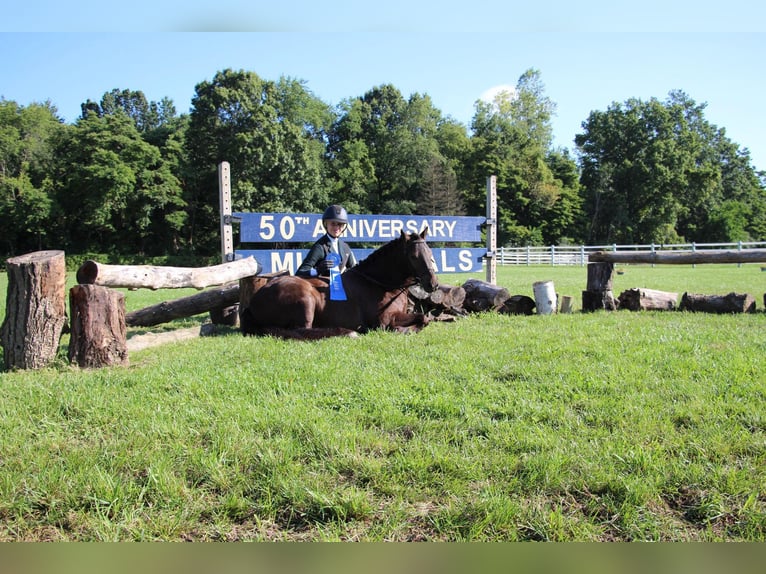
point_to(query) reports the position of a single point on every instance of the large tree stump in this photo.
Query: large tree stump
(209, 300)
(35, 311)
(598, 294)
(731, 303)
(638, 299)
(483, 296)
(98, 333)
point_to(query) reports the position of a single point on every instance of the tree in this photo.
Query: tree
(26, 160)
(273, 136)
(511, 139)
(146, 115)
(657, 171)
(115, 191)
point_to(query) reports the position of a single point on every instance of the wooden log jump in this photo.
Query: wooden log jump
(153, 277)
(185, 306)
(688, 257)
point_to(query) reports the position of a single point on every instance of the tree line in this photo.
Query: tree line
(130, 177)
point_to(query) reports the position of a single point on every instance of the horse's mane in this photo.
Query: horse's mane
(380, 253)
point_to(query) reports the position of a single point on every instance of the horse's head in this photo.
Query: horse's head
(421, 260)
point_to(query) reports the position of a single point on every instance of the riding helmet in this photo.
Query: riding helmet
(335, 213)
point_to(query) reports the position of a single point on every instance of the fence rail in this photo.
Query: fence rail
(578, 254)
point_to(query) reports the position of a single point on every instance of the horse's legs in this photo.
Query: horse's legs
(407, 322)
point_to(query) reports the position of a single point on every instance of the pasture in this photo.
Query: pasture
(607, 426)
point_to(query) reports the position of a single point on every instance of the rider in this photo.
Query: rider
(316, 262)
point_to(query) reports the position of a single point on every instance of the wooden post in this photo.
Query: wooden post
(224, 190)
(98, 337)
(598, 294)
(35, 311)
(492, 229)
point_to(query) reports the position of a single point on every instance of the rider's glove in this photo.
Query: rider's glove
(324, 266)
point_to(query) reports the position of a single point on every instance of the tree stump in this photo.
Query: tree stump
(731, 303)
(598, 294)
(98, 337)
(638, 299)
(35, 311)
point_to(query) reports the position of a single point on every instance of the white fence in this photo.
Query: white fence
(578, 254)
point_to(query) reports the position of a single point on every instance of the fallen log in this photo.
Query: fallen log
(142, 341)
(483, 296)
(35, 310)
(98, 332)
(731, 303)
(220, 297)
(638, 299)
(152, 277)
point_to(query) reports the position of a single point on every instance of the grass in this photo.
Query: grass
(589, 426)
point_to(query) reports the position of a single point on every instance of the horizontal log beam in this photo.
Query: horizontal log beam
(151, 277)
(687, 257)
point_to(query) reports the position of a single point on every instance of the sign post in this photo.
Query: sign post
(492, 229)
(224, 193)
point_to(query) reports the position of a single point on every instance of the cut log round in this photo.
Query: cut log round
(518, 305)
(598, 294)
(35, 309)
(483, 296)
(98, 334)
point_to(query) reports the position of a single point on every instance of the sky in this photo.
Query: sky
(588, 57)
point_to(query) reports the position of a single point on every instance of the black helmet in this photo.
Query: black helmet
(335, 213)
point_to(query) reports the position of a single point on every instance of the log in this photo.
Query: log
(518, 305)
(638, 299)
(598, 294)
(731, 303)
(35, 310)
(483, 296)
(98, 332)
(687, 257)
(151, 277)
(167, 311)
(141, 341)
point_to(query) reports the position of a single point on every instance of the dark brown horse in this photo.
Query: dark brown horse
(376, 296)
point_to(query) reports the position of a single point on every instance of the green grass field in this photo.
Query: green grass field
(607, 426)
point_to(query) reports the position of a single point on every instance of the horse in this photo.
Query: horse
(376, 290)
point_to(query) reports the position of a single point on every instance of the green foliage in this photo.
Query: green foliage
(132, 177)
(650, 167)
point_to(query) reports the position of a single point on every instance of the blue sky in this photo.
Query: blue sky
(588, 57)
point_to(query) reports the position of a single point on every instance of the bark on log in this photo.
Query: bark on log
(731, 303)
(483, 296)
(35, 310)
(98, 334)
(151, 277)
(598, 294)
(689, 257)
(167, 311)
(639, 299)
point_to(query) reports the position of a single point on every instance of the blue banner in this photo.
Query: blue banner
(307, 227)
(448, 260)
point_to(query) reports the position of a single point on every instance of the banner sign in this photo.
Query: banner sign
(307, 227)
(448, 259)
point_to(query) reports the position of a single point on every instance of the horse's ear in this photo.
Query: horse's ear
(403, 236)
(424, 232)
